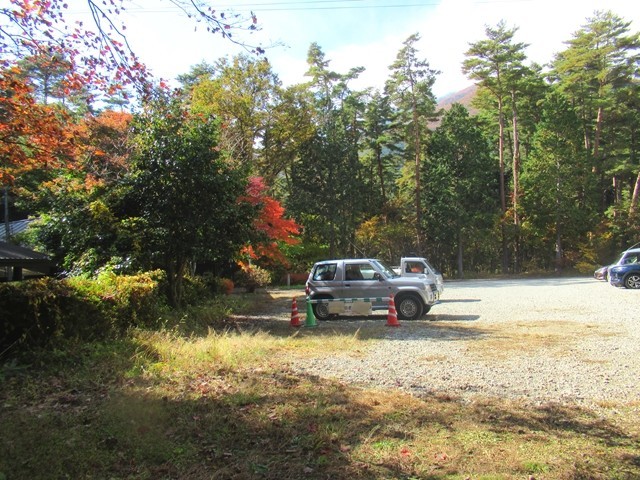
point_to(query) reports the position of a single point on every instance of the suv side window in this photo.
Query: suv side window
(324, 272)
(359, 271)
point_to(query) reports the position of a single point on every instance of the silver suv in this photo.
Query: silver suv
(371, 279)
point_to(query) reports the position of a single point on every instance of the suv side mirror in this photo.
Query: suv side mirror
(377, 276)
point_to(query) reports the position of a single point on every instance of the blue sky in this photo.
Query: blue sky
(366, 33)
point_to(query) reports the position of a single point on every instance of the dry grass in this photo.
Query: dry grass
(554, 337)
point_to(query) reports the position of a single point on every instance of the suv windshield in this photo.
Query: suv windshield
(430, 266)
(385, 269)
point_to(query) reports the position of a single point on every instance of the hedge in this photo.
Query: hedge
(36, 313)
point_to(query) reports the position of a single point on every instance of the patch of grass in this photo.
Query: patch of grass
(223, 403)
(551, 336)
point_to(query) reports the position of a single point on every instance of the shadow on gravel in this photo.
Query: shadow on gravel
(460, 300)
(522, 282)
(440, 333)
(423, 321)
(445, 317)
(368, 329)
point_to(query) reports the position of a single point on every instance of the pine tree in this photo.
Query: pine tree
(410, 89)
(496, 64)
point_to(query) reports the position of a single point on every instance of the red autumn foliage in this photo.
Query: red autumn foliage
(97, 52)
(98, 55)
(271, 223)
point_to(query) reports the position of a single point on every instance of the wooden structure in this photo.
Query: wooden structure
(17, 262)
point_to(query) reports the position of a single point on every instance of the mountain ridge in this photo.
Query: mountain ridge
(464, 97)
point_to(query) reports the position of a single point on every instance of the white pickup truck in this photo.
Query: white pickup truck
(420, 267)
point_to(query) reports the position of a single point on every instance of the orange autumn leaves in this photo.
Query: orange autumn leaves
(31, 135)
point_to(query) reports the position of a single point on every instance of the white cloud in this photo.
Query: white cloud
(447, 31)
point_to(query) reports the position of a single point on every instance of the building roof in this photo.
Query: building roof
(15, 227)
(16, 256)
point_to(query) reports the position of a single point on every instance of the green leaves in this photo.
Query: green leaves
(184, 191)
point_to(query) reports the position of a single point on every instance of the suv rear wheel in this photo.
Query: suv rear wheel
(409, 307)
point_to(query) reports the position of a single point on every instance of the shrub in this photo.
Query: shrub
(252, 277)
(218, 284)
(224, 285)
(197, 289)
(37, 313)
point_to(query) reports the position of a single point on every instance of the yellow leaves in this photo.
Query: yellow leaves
(100, 212)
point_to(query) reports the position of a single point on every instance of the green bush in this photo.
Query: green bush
(197, 289)
(128, 300)
(37, 313)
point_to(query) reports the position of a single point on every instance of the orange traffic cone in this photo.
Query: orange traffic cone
(392, 316)
(295, 318)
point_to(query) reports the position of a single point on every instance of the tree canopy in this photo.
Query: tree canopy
(235, 168)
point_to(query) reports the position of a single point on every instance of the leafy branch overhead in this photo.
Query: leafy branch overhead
(97, 50)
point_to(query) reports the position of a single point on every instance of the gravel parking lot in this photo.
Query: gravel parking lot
(569, 340)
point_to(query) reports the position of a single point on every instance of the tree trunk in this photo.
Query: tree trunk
(559, 253)
(633, 208)
(516, 180)
(175, 269)
(597, 156)
(416, 144)
(598, 134)
(617, 196)
(378, 151)
(503, 196)
(559, 249)
(460, 257)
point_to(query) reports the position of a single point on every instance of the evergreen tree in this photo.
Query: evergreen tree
(330, 195)
(461, 190)
(601, 62)
(182, 194)
(379, 147)
(496, 63)
(410, 89)
(558, 184)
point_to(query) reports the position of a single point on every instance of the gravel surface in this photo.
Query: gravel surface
(569, 340)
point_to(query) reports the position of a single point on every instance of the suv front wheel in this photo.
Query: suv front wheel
(632, 280)
(408, 307)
